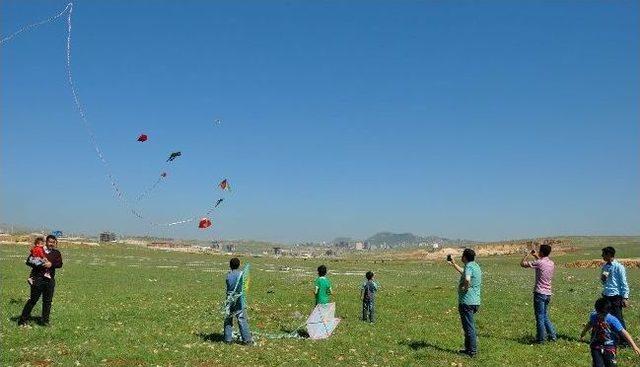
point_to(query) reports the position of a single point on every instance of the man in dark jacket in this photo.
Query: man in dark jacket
(42, 285)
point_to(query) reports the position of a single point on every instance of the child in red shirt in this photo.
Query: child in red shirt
(37, 257)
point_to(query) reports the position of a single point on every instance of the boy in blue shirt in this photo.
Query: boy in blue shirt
(605, 329)
(235, 304)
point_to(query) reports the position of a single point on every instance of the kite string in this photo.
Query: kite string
(149, 189)
(37, 24)
(83, 117)
(119, 193)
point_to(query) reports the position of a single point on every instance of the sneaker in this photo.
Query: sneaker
(467, 353)
(23, 324)
(30, 281)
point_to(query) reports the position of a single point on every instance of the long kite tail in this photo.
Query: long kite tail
(118, 192)
(31, 26)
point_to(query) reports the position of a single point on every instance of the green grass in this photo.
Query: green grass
(129, 306)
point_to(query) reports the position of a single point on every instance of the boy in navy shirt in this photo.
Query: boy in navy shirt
(605, 329)
(368, 295)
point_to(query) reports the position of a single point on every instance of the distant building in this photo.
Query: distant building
(277, 251)
(230, 247)
(435, 245)
(358, 245)
(107, 237)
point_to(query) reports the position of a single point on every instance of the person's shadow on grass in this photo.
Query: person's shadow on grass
(36, 319)
(420, 344)
(212, 337)
(530, 339)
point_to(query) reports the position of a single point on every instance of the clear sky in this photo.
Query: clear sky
(481, 120)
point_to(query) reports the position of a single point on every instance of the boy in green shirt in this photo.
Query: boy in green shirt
(323, 286)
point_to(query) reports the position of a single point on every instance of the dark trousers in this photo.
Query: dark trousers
(369, 310)
(603, 358)
(469, 327)
(41, 287)
(616, 310)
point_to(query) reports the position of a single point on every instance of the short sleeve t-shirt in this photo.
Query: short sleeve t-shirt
(323, 285)
(369, 289)
(472, 295)
(604, 331)
(544, 275)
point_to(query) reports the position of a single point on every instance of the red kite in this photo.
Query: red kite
(142, 138)
(204, 223)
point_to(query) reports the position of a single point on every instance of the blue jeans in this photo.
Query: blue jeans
(469, 327)
(544, 327)
(369, 310)
(243, 324)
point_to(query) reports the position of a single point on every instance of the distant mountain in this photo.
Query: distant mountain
(388, 239)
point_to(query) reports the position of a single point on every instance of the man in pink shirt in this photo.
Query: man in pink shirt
(542, 292)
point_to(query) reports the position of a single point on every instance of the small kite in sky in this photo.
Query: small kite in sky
(204, 223)
(218, 202)
(142, 138)
(217, 121)
(224, 185)
(173, 156)
(163, 174)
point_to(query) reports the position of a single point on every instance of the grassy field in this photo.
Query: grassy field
(130, 306)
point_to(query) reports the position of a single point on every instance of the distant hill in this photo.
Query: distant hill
(393, 240)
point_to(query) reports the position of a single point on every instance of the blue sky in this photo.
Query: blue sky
(480, 120)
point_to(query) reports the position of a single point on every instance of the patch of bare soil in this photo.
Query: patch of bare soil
(488, 249)
(596, 263)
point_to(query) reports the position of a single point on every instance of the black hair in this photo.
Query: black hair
(234, 263)
(602, 305)
(609, 251)
(322, 270)
(469, 254)
(51, 237)
(369, 275)
(545, 249)
(38, 240)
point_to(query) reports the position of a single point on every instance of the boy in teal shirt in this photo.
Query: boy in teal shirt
(468, 298)
(323, 286)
